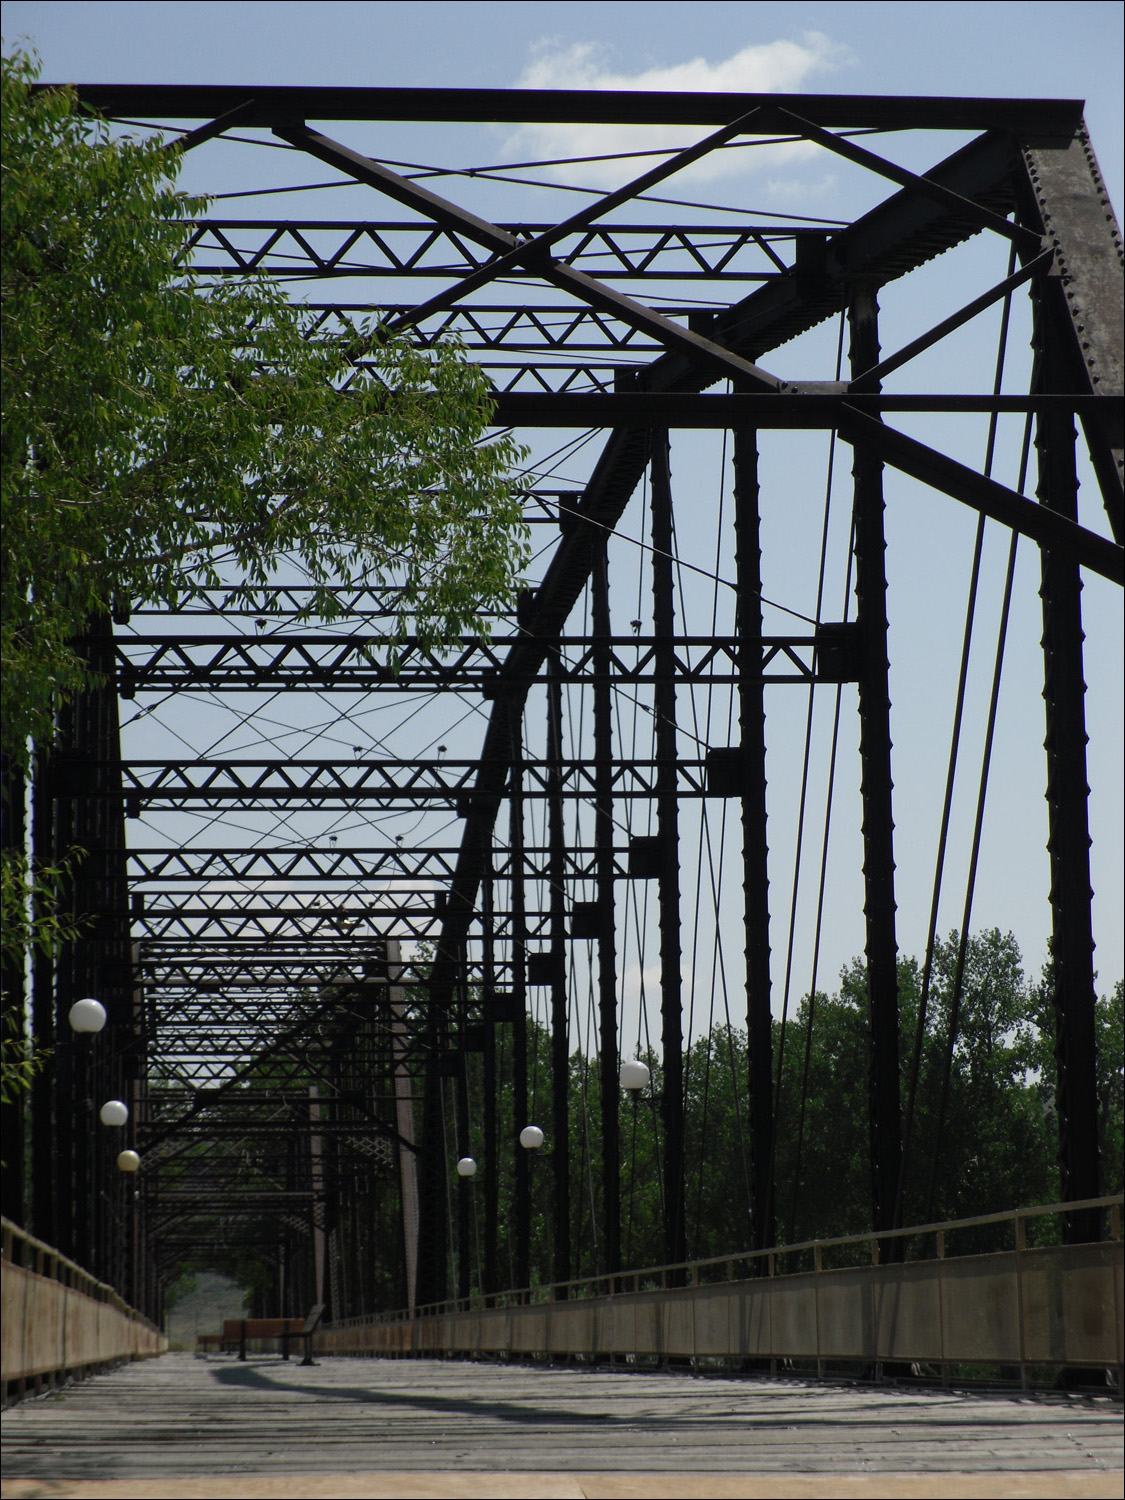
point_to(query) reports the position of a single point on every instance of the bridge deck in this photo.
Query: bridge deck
(190, 1426)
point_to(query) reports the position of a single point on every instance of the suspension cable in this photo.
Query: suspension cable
(821, 574)
(970, 883)
(951, 769)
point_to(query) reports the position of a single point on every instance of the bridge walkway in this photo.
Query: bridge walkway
(186, 1426)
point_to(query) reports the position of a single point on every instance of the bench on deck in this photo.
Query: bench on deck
(238, 1331)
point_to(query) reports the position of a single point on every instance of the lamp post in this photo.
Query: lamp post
(467, 1171)
(633, 1077)
(115, 1114)
(531, 1139)
(87, 1017)
(77, 1205)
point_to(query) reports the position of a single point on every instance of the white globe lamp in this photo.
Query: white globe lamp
(86, 1015)
(466, 1167)
(113, 1112)
(531, 1137)
(634, 1075)
(128, 1161)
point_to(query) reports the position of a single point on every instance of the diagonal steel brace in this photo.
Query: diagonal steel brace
(450, 216)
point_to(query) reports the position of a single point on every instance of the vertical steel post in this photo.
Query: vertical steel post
(317, 1219)
(560, 1029)
(667, 816)
(881, 947)
(433, 1229)
(90, 1197)
(490, 1280)
(117, 977)
(464, 1184)
(404, 1121)
(607, 932)
(13, 1198)
(46, 1084)
(522, 1197)
(66, 987)
(106, 906)
(1068, 836)
(755, 848)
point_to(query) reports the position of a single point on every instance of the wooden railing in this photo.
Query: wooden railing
(1009, 1295)
(59, 1321)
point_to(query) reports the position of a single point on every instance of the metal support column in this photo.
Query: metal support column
(46, 1084)
(62, 982)
(490, 1280)
(607, 930)
(434, 1229)
(522, 1197)
(881, 946)
(1068, 839)
(404, 1122)
(667, 814)
(755, 849)
(464, 1184)
(560, 1029)
(13, 1111)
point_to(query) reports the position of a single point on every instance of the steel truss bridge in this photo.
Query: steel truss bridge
(339, 905)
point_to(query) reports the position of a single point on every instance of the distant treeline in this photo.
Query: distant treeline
(990, 1145)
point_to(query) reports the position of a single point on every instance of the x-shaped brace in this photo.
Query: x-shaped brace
(510, 251)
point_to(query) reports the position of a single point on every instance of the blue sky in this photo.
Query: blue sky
(1032, 50)
(987, 48)
(1045, 50)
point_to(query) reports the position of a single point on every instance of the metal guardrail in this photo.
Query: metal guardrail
(894, 1296)
(58, 1321)
(852, 1299)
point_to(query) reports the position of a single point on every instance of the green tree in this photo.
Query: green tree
(1109, 1038)
(822, 1178)
(1109, 1019)
(716, 1145)
(989, 1146)
(160, 432)
(32, 923)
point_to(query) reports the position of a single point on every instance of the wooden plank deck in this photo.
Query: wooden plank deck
(207, 1426)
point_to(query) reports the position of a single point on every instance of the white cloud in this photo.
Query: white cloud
(808, 189)
(773, 67)
(770, 67)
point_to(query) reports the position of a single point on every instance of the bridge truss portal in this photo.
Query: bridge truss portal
(338, 905)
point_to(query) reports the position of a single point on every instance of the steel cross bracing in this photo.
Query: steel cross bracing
(150, 867)
(248, 783)
(353, 661)
(331, 892)
(323, 249)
